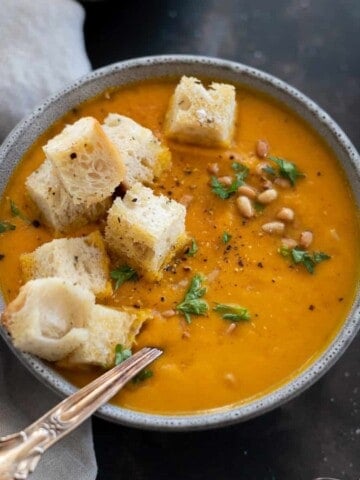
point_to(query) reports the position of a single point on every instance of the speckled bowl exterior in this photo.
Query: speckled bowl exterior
(125, 73)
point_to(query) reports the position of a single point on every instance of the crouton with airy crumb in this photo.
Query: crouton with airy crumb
(201, 116)
(89, 166)
(107, 328)
(145, 230)
(56, 208)
(143, 154)
(83, 261)
(48, 317)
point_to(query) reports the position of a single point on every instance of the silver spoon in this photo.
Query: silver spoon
(21, 452)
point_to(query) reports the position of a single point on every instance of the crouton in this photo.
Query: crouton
(83, 261)
(107, 328)
(145, 230)
(48, 317)
(143, 154)
(201, 116)
(86, 161)
(57, 210)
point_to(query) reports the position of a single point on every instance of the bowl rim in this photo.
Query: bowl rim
(268, 400)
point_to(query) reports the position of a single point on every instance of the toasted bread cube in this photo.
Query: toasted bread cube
(145, 230)
(83, 261)
(107, 328)
(57, 210)
(201, 116)
(86, 161)
(48, 318)
(143, 154)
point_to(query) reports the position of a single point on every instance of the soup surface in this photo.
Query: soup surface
(294, 314)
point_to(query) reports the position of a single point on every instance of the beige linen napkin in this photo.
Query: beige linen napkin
(41, 50)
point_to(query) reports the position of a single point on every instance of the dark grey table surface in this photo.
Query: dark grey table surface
(314, 45)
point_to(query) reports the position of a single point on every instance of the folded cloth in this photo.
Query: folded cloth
(41, 50)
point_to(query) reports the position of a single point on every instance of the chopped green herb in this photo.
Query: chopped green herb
(121, 354)
(287, 169)
(303, 257)
(192, 249)
(143, 375)
(269, 170)
(16, 212)
(259, 207)
(232, 312)
(226, 237)
(225, 192)
(6, 226)
(192, 303)
(123, 274)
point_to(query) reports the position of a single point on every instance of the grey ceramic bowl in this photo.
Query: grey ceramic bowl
(124, 73)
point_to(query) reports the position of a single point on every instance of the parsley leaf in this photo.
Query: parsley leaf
(192, 303)
(143, 375)
(192, 249)
(303, 257)
(123, 274)
(226, 237)
(121, 354)
(287, 169)
(6, 226)
(225, 192)
(269, 170)
(232, 312)
(16, 212)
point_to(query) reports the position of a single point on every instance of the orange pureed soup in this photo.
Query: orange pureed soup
(294, 314)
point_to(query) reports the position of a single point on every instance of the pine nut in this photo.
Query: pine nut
(213, 168)
(288, 242)
(285, 214)
(282, 182)
(186, 200)
(306, 239)
(262, 148)
(245, 207)
(268, 196)
(225, 180)
(259, 168)
(248, 191)
(274, 227)
(168, 313)
(230, 328)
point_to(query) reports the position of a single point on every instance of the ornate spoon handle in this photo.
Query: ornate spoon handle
(21, 452)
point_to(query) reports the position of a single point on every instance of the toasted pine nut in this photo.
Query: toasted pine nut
(186, 334)
(213, 168)
(245, 207)
(225, 180)
(186, 200)
(306, 239)
(262, 148)
(230, 378)
(168, 313)
(282, 182)
(187, 268)
(286, 214)
(274, 227)
(259, 168)
(231, 328)
(268, 196)
(248, 191)
(288, 242)
(334, 234)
